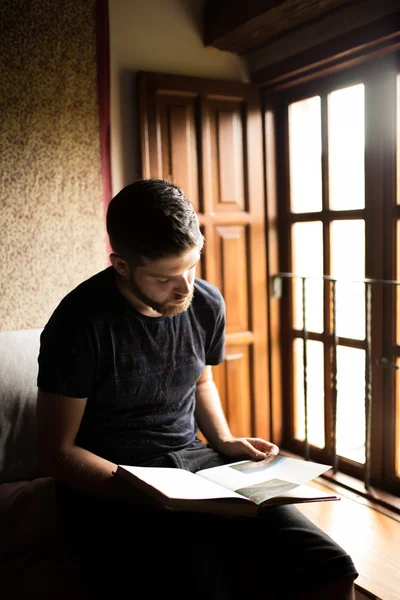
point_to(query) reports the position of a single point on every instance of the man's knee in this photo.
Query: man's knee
(341, 589)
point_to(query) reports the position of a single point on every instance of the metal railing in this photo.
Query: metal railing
(368, 283)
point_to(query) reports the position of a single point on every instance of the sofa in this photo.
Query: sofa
(34, 559)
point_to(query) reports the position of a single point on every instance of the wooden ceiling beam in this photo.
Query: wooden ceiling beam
(351, 48)
(242, 26)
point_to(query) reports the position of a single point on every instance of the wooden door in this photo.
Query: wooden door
(206, 136)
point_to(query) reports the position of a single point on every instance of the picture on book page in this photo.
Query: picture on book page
(250, 467)
(259, 492)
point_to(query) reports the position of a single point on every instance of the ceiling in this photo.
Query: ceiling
(267, 32)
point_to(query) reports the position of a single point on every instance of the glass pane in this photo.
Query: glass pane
(346, 148)
(315, 392)
(305, 155)
(350, 431)
(307, 260)
(347, 265)
(397, 417)
(398, 139)
(397, 296)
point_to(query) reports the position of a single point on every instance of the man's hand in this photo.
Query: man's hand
(253, 448)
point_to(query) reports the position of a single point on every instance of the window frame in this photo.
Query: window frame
(380, 183)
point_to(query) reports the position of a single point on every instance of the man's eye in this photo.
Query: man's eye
(162, 280)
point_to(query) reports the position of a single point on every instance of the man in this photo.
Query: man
(125, 378)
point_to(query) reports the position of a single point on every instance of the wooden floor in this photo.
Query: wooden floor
(371, 538)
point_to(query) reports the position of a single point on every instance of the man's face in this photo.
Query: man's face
(166, 284)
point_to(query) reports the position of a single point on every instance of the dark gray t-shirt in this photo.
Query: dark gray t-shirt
(139, 373)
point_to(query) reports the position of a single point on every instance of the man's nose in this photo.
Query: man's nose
(184, 287)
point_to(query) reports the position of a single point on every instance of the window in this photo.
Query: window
(338, 167)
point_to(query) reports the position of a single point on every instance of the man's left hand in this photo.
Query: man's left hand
(253, 448)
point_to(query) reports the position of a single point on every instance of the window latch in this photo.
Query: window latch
(386, 364)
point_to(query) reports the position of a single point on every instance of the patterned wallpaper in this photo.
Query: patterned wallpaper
(52, 233)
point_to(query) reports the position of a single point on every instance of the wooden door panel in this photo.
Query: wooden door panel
(238, 390)
(178, 147)
(226, 153)
(206, 135)
(233, 380)
(233, 281)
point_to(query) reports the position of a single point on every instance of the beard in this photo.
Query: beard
(169, 308)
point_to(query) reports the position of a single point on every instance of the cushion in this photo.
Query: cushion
(35, 562)
(28, 516)
(18, 388)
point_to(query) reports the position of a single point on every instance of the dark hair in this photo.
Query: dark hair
(152, 218)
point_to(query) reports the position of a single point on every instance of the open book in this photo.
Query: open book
(241, 488)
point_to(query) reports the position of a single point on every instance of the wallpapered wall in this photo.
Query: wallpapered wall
(52, 233)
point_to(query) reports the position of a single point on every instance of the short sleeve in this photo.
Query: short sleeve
(215, 350)
(66, 357)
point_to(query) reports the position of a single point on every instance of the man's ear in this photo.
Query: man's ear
(120, 264)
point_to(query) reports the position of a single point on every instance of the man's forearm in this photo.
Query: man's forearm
(88, 473)
(210, 415)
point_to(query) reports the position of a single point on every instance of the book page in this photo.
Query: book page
(289, 472)
(306, 492)
(180, 484)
